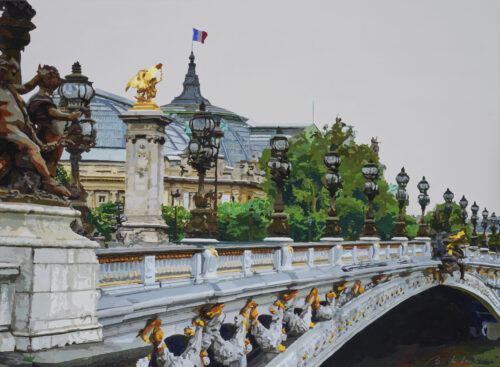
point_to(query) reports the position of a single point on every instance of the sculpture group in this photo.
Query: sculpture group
(32, 135)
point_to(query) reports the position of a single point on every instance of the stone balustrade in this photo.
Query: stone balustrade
(121, 268)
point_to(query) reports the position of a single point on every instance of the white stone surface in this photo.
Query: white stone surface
(55, 294)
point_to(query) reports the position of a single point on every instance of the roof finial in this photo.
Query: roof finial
(191, 93)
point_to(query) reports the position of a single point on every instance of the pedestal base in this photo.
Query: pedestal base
(147, 234)
(56, 294)
(331, 239)
(278, 239)
(199, 240)
(399, 238)
(7, 342)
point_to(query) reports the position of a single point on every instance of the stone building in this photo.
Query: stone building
(239, 174)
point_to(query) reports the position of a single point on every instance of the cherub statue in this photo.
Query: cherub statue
(145, 82)
(269, 339)
(229, 351)
(47, 117)
(19, 145)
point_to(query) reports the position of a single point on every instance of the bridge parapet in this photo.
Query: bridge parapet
(345, 286)
(125, 268)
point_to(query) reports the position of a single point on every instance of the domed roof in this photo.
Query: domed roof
(111, 130)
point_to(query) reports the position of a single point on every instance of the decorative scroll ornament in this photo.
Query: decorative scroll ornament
(269, 339)
(145, 82)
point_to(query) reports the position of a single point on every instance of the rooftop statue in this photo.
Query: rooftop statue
(23, 170)
(145, 82)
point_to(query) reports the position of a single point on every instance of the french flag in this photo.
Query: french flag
(199, 36)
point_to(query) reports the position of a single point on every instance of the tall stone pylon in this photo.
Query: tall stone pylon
(144, 171)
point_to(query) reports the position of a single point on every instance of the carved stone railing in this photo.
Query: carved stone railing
(122, 268)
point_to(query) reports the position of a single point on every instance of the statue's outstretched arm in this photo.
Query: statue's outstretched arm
(29, 86)
(58, 114)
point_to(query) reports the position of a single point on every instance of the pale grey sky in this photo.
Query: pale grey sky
(422, 75)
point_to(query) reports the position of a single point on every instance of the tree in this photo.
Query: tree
(63, 176)
(168, 214)
(103, 218)
(236, 222)
(306, 197)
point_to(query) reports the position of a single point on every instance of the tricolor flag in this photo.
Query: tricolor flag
(199, 36)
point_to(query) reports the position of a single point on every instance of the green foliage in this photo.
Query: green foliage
(437, 219)
(168, 214)
(236, 223)
(63, 176)
(306, 197)
(103, 218)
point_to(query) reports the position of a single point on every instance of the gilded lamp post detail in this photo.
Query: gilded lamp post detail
(423, 200)
(332, 183)
(202, 153)
(280, 170)
(402, 197)
(370, 173)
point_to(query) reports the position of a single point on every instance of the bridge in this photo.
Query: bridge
(244, 304)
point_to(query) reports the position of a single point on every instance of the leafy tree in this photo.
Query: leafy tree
(437, 219)
(63, 176)
(103, 218)
(235, 222)
(168, 214)
(306, 197)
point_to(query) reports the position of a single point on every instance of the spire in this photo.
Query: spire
(191, 93)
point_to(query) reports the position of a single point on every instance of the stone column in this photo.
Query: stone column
(144, 171)
(55, 294)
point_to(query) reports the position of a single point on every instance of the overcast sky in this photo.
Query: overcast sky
(423, 76)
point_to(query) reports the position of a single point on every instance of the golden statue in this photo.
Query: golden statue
(145, 82)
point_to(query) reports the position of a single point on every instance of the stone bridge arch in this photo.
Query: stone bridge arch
(327, 337)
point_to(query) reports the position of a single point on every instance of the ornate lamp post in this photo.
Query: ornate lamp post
(280, 170)
(423, 200)
(493, 225)
(484, 224)
(402, 197)
(370, 173)
(333, 183)
(76, 92)
(175, 195)
(202, 153)
(448, 207)
(473, 219)
(463, 212)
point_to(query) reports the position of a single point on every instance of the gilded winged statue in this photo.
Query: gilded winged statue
(145, 82)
